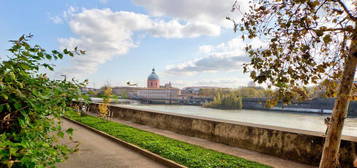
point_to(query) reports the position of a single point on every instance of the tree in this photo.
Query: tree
(307, 41)
(225, 101)
(103, 107)
(31, 105)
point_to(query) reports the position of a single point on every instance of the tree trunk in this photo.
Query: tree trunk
(330, 154)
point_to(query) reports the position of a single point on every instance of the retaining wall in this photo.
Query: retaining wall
(293, 144)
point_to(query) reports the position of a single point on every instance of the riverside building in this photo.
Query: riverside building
(155, 91)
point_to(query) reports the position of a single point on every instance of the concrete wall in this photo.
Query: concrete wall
(292, 144)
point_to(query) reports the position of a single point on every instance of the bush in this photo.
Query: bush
(31, 105)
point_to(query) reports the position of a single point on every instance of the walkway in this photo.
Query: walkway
(96, 151)
(243, 153)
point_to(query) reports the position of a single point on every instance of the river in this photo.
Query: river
(303, 121)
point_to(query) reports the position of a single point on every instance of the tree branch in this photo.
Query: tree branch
(326, 29)
(344, 7)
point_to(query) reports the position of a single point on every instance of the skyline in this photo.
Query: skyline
(192, 44)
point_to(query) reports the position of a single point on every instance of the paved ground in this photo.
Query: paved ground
(243, 153)
(96, 151)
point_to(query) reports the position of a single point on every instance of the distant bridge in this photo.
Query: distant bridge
(189, 101)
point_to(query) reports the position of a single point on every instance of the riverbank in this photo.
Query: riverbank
(294, 144)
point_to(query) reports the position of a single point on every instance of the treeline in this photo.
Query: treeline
(325, 89)
(245, 92)
(225, 101)
(226, 98)
(100, 93)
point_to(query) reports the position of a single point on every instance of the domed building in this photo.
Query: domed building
(153, 80)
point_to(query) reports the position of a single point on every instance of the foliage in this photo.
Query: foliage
(92, 93)
(180, 152)
(326, 89)
(211, 92)
(251, 92)
(31, 105)
(306, 41)
(297, 94)
(103, 107)
(225, 101)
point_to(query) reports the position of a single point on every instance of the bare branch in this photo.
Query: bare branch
(346, 10)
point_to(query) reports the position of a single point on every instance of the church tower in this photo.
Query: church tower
(153, 80)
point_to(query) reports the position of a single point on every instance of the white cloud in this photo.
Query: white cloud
(212, 63)
(230, 83)
(56, 19)
(207, 11)
(104, 33)
(227, 56)
(218, 82)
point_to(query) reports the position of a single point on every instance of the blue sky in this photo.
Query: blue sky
(188, 42)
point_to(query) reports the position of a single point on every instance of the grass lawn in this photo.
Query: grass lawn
(183, 153)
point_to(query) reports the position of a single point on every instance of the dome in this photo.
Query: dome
(153, 75)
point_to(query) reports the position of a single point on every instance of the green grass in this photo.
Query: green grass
(183, 153)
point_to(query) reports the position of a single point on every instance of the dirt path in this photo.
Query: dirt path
(96, 151)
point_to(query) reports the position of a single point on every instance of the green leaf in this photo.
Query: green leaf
(65, 51)
(60, 55)
(50, 68)
(17, 105)
(12, 76)
(48, 56)
(69, 131)
(25, 66)
(60, 134)
(40, 54)
(4, 96)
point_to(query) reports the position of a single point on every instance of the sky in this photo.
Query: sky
(188, 42)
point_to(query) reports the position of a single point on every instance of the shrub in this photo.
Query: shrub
(31, 105)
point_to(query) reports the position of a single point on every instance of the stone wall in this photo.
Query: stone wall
(298, 145)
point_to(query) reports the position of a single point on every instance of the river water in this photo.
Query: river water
(303, 121)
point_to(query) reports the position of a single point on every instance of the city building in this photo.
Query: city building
(155, 91)
(196, 90)
(126, 92)
(152, 91)
(159, 93)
